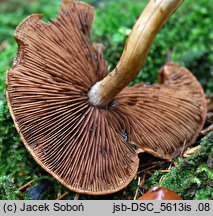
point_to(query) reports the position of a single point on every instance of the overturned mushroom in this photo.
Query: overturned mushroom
(81, 124)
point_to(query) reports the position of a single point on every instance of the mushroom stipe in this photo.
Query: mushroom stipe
(88, 149)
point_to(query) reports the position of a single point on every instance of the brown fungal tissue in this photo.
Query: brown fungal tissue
(87, 147)
(160, 193)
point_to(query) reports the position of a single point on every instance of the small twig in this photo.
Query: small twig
(136, 193)
(148, 168)
(25, 186)
(191, 151)
(142, 181)
(140, 186)
(62, 196)
(183, 148)
(207, 130)
(141, 192)
(165, 171)
(76, 197)
(162, 177)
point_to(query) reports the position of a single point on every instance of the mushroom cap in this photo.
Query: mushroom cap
(168, 116)
(47, 95)
(160, 193)
(89, 149)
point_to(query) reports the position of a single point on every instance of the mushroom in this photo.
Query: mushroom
(83, 125)
(160, 193)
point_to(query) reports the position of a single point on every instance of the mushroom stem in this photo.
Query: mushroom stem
(136, 49)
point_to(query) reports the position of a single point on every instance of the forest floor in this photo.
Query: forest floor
(190, 175)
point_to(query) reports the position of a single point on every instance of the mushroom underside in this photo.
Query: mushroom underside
(89, 149)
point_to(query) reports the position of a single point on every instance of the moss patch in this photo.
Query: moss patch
(191, 178)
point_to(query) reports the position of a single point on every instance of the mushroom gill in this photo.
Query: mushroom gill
(168, 116)
(86, 148)
(47, 94)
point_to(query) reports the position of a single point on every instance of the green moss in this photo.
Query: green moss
(203, 168)
(204, 194)
(8, 190)
(191, 177)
